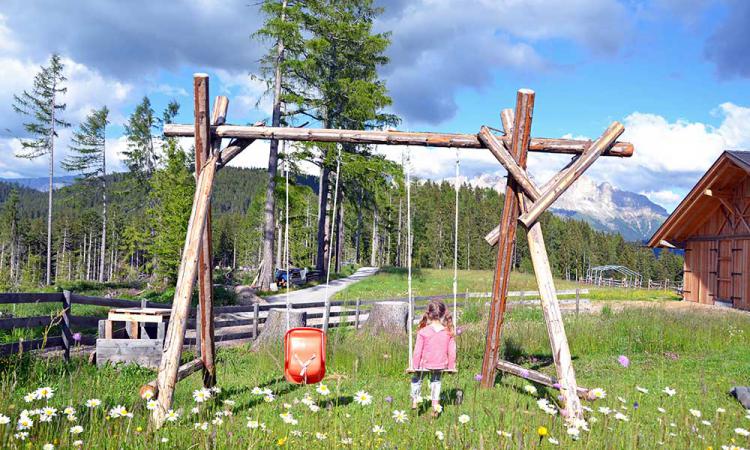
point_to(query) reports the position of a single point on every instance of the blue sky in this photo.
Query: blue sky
(675, 72)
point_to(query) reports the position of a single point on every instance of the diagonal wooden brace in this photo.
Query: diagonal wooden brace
(497, 148)
(175, 336)
(577, 169)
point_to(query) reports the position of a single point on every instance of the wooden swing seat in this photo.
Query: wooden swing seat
(448, 371)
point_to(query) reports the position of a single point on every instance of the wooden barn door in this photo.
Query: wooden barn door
(740, 285)
(724, 266)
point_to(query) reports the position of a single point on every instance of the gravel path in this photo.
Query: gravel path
(317, 293)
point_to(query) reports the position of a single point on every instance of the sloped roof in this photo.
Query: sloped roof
(695, 208)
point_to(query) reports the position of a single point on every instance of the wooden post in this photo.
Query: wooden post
(175, 337)
(509, 222)
(256, 314)
(203, 150)
(553, 317)
(356, 314)
(144, 305)
(67, 336)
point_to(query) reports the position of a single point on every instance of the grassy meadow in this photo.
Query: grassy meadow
(700, 354)
(392, 283)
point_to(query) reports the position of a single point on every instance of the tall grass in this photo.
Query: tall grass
(700, 354)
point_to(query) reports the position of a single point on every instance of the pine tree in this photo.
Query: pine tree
(277, 29)
(142, 154)
(42, 105)
(330, 69)
(88, 157)
(172, 189)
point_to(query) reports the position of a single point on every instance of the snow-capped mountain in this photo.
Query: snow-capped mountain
(602, 205)
(610, 209)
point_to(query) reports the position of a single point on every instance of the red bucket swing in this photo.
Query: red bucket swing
(305, 347)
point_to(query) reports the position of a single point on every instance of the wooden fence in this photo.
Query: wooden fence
(232, 324)
(662, 285)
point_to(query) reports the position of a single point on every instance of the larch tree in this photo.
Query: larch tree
(330, 77)
(43, 107)
(88, 158)
(143, 134)
(282, 25)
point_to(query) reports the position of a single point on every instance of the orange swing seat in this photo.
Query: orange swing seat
(304, 355)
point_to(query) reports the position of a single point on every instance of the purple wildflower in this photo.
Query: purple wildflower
(459, 331)
(389, 399)
(623, 360)
(556, 386)
(524, 373)
(77, 337)
(478, 377)
(635, 405)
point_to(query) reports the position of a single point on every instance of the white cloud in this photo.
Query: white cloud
(665, 197)
(248, 93)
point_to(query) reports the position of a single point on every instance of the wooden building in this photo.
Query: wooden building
(712, 225)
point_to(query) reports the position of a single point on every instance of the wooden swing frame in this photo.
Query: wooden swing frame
(523, 202)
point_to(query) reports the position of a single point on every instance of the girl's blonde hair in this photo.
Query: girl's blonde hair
(436, 310)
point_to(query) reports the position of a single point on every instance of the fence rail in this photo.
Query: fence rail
(661, 285)
(77, 329)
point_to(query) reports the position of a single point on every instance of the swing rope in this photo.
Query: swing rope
(409, 242)
(286, 229)
(327, 312)
(410, 320)
(455, 248)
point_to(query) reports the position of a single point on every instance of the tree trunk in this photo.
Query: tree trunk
(267, 271)
(358, 236)
(375, 245)
(104, 217)
(51, 177)
(320, 261)
(275, 327)
(339, 232)
(388, 318)
(398, 235)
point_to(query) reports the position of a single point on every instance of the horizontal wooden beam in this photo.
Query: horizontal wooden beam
(391, 137)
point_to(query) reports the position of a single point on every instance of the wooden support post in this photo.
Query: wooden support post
(555, 329)
(67, 336)
(175, 338)
(256, 317)
(356, 314)
(553, 192)
(509, 222)
(203, 151)
(144, 333)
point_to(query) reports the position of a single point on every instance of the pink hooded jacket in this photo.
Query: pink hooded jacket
(435, 350)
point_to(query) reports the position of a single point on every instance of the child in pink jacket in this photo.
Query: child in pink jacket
(434, 352)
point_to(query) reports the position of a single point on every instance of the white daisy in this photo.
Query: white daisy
(399, 416)
(362, 398)
(377, 429)
(464, 418)
(322, 389)
(93, 402)
(76, 429)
